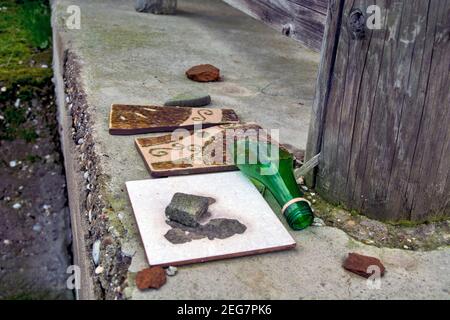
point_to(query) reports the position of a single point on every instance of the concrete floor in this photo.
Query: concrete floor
(129, 57)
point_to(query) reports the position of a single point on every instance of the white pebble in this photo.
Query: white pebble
(99, 270)
(17, 206)
(305, 188)
(96, 252)
(3, 89)
(7, 242)
(171, 271)
(13, 163)
(405, 247)
(37, 227)
(318, 222)
(17, 103)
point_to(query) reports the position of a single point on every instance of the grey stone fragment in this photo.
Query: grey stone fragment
(220, 228)
(187, 209)
(177, 236)
(189, 100)
(156, 6)
(96, 252)
(223, 228)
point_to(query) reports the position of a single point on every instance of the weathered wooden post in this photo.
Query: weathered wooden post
(381, 116)
(156, 6)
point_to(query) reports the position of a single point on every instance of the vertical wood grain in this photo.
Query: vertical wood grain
(323, 84)
(384, 128)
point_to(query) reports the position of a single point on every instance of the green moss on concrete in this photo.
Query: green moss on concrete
(352, 244)
(116, 205)
(411, 235)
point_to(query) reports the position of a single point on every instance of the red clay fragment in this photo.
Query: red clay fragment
(203, 73)
(360, 264)
(154, 277)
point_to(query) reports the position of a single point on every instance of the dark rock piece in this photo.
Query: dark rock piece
(187, 209)
(216, 228)
(177, 236)
(203, 73)
(222, 228)
(189, 100)
(154, 277)
(156, 6)
(359, 264)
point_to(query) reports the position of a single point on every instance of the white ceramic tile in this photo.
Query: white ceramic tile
(236, 198)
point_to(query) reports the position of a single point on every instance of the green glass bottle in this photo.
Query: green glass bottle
(274, 169)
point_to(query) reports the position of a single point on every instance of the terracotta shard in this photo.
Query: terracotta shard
(363, 265)
(203, 73)
(134, 119)
(154, 277)
(200, 152)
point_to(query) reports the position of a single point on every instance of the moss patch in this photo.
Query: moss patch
(25, 36)
(403, 235)
(25, 62)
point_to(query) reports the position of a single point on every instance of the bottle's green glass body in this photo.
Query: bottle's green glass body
(276, 174)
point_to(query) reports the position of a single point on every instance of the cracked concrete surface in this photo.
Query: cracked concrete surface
(130, 57)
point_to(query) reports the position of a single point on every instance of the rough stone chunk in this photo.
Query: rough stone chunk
(223, 228)
(187, 209)
(203, 73)
(156, 6)
(220, 228)
(188, 99)
(154, 277)
(360, 264)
